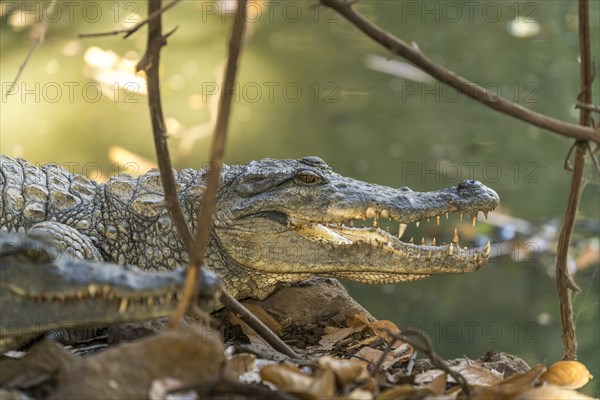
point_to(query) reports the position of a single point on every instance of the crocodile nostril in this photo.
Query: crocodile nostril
(466, 184)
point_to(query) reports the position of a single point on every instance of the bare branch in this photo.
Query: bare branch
(564, 282)
(130, 31)
(259, 327)
(150, 63)
(427, 348)
(43, 28)
(471, 89)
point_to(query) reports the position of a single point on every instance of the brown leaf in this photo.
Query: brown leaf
(406, 392)
(265, 317)
(346, 371)
(357, 320)
(242, 363)
(567, 374)
(254, 337)
(552, 392)
(292, 380)
(383, 328)
(511, 386)
(329, 340)
(476, 374)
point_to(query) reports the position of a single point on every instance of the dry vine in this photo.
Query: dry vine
(564, 282)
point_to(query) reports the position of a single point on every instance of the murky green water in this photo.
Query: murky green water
(311, 84)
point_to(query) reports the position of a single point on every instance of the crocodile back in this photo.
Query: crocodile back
(29, 195)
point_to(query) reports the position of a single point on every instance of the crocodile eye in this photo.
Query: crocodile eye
(308, 177)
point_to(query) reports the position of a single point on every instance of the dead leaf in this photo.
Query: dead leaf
(329, 340)
(370, 355)
(357, 320)
(383, 329)
(242, 363)
(254, 337)
(346, 371)
(265, 317)
(476, 374)
(291, 379)
(567, 374)
(406, 392)
(160, 390)
(552, 392)
(511, 387)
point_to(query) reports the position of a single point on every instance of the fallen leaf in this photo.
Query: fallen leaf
(329, 340)
(406, 392)
(567, 374)
(242, 363)
(511, 387)
(357, 320)
(346, 371)
(552, 392)
(265, 317)
(291, 379)
(385, 330)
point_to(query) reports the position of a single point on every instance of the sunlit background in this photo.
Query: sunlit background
(311, 84)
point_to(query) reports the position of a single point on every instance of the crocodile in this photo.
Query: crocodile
(42, 290)
(275, 221)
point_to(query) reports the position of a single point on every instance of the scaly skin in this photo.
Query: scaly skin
(42, 290)
(275, 221)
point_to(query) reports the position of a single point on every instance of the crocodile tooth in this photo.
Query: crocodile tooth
(486, 250)
(455, 238)
(387, 229)
(437, 220)
(123, 305)
(429, 255)
(351, 224)
(465, 248)
(370, 213)
(474, 222)
(385, 214)
(428, 219)
(462, 214)
(375, 223)
(412, 240)
(446, 215)
(92, 290)
(485, 214)
(433, 242)
(402, 230)
(451, 250)
(417, 223)
(339, 225)
(422, 241)
(79, 294)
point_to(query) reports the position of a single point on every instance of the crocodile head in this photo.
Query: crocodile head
(291, 217)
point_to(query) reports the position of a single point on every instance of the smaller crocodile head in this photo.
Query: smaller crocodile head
(298, 217)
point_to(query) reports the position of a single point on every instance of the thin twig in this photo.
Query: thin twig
(589, 107)
(150, 63)
(471, 89)
(130, 31)
(43, 27)
(260, 328)
(213, 173)
(564, 281)
(427, 348)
